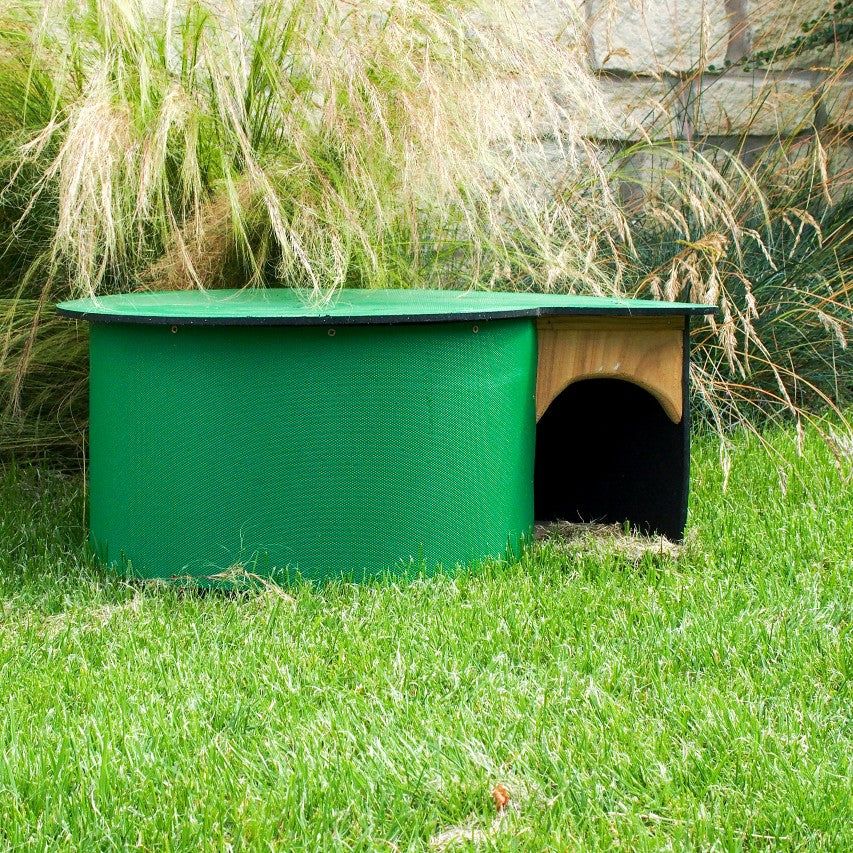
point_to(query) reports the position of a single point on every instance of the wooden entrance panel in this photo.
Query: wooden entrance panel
(613, 430)
(647, 351)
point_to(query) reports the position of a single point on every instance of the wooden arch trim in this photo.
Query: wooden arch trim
(647, 351)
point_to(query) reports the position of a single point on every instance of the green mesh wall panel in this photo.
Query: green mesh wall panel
(296, 451)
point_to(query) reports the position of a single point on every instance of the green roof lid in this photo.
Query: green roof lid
(286, 307)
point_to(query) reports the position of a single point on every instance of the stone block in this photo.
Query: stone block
(655, 36)
(837, 102)
(774, 24)
(566, 168)
(636, 108)
(757, 104)
(840, 169)
(558, 19)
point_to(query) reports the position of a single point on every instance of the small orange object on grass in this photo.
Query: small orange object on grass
(501, 797)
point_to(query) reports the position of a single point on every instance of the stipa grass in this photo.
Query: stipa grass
(760, 226)
(695, 700)
(324, 143)
(315, 143)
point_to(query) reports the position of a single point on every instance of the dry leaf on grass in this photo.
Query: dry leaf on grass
(469, 836)
(501, 797)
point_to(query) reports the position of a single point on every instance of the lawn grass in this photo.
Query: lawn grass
(697, 701)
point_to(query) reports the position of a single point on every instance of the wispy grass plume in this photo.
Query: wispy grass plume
(321, 144)
(314, 144)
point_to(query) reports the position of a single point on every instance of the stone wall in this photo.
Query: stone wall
(646, 53)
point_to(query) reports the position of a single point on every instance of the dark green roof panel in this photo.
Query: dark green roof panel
(292, 308)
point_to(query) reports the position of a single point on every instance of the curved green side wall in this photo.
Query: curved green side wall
(293, 451)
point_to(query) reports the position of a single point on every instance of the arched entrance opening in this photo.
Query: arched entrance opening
(606, 451)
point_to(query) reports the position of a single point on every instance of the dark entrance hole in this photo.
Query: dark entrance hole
(607, 452)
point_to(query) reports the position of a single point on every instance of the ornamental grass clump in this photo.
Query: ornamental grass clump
(777, 260)
(760, 226)
(321, 144)
(313, 144)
